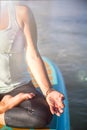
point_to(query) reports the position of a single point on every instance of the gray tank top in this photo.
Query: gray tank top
(13, 67)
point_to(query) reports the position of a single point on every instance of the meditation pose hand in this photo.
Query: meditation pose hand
(55, 101)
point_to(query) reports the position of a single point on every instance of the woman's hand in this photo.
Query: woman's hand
(55, 102)
(8, 102)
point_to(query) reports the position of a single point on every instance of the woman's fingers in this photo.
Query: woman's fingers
(61, 97)
(56, 106)
(31, 95)
(60, 106)
(54, 110)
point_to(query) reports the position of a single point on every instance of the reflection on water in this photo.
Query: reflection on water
(62, 36)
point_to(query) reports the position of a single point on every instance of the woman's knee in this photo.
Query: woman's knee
(44, 118)
(41, 119)
(41, 112)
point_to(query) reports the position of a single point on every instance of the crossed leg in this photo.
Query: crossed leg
(26, 109)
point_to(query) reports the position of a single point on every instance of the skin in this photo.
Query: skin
(54, 98)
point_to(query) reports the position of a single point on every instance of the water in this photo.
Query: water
(62, 37)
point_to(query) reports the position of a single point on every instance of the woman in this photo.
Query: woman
(21, 105)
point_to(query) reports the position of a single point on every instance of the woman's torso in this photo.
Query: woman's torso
(13, 67)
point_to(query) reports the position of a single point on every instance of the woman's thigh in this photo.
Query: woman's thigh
(27, 88)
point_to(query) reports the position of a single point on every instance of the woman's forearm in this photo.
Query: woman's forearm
(37, 68)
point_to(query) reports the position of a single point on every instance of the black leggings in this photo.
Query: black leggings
(32, 113)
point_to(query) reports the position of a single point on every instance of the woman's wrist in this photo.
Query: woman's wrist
(49, 91)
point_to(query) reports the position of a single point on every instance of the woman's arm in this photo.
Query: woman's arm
(35, 63)
(33, 57)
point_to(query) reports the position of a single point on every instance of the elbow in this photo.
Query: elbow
(31, 59)
(35, 57)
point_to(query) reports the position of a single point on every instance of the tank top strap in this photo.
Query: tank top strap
(12, 13)
(14, 28)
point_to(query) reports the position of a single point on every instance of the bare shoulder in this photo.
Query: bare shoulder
(26, 17)
(22, 8)
(24, 11)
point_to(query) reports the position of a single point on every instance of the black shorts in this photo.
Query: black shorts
(31, 113)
